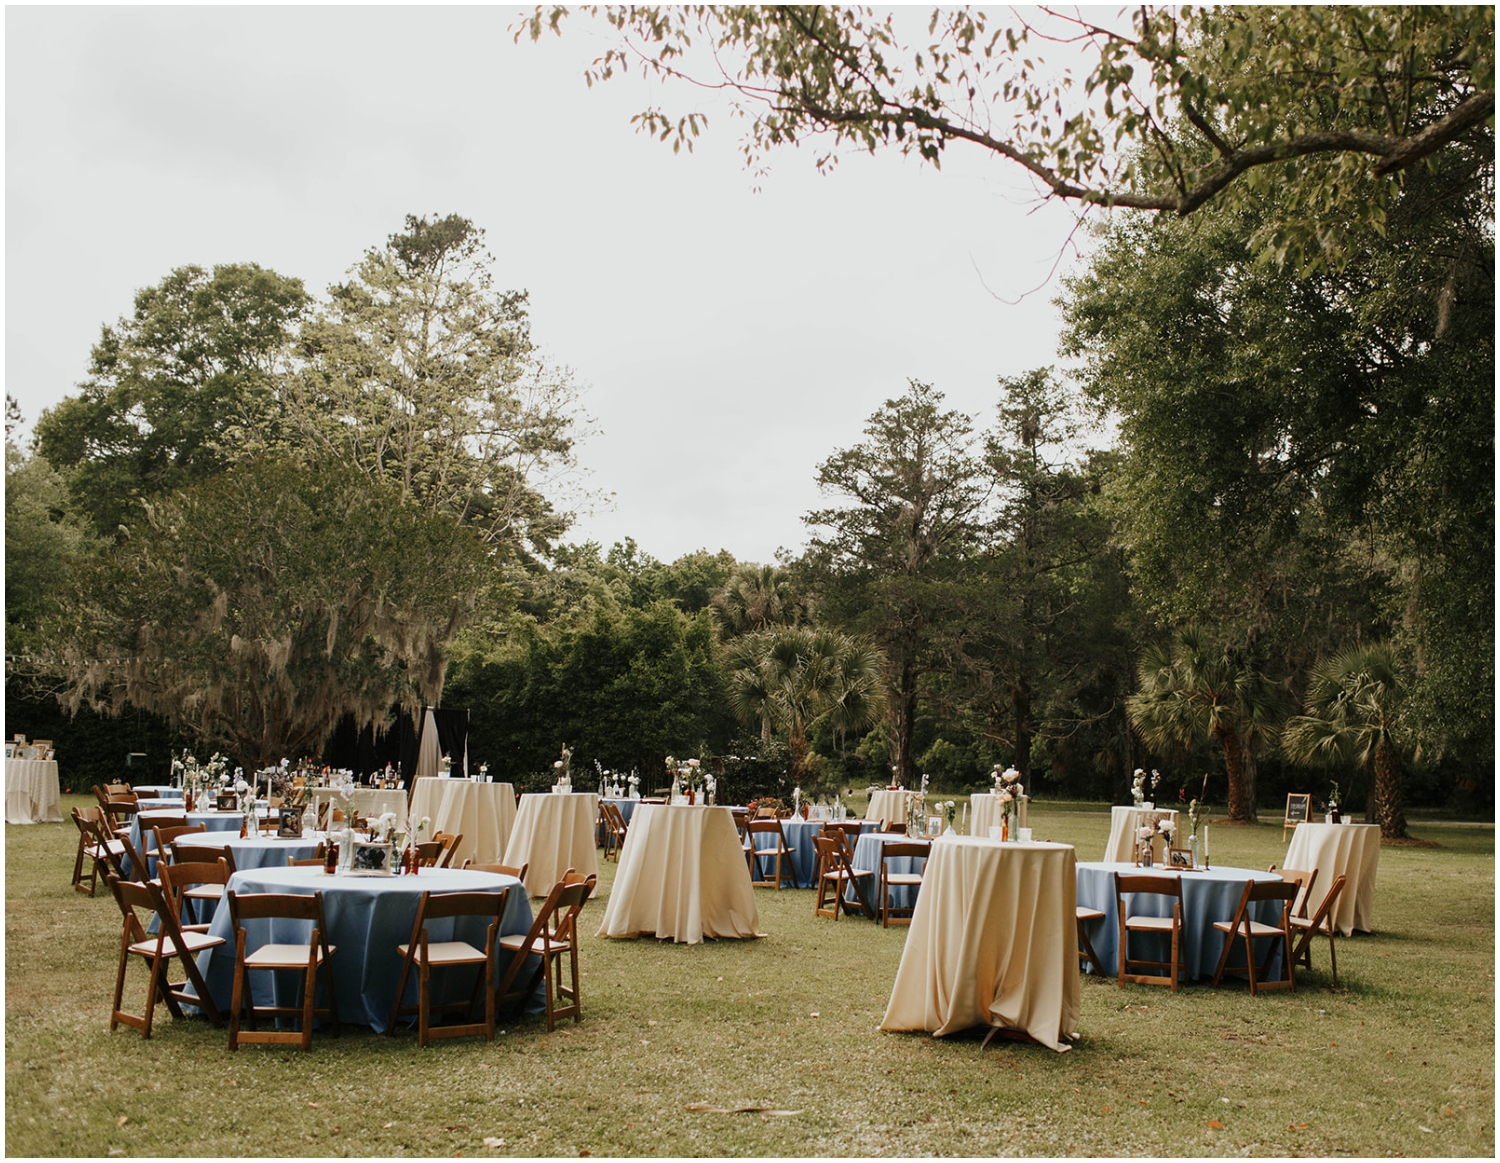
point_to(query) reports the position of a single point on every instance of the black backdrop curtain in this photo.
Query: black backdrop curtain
(363, 752)
(453, 736)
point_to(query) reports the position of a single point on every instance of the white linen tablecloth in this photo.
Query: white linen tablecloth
(553, 832)
(682, 876)
(31, 792)
(1348, 850)
(887, 806)
(992, 942)
(482, 813)
(1123, 821)
(986, 812)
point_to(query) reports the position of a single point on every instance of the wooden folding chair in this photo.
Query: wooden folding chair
(178, 882)
(121, 814)
(1084, 917)
(450, 845)
(836, 872)
(306, 959)
(553, 934)
(781, 854)
(428, 853)
(615, 829)
(1321, 922)
(170, 943)
(160, 847)
(426, 955)
(91, 850)
(1244, 926)
(1164, 886)
(889, 879)
(1304, 882)
(499, 869)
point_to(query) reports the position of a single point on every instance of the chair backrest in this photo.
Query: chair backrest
(498, 869)
(833, 856)
(198, 852)
(428, 853)
(561, 906)
(1127, 885)
(450, 845)
(908, 848)
(165, 819)
(614, 817)
(119, 791)
(260, 905)
(900, 829)
(1266, 890)
(1304, 882)
(103, 836)
(132, 895)
(175, 878)
(1319, 919)
(768, 827)
(165, 835)
(438, 905)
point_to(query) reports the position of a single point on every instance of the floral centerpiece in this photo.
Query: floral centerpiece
(561, 768)
(777, 806)
(1333, 803)
(635, 786)
(1008, 790)
(1138, 786)
(948, 808)
(1146, 834)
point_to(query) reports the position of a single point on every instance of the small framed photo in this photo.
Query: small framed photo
(368, 859)
(1179, 858)
(20, 740)
(289, 824)
(934, 825)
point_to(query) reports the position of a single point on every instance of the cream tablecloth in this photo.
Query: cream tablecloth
(1123, 821)
(682, 875)
(31, 793)
(552, 833)
(482, 813)
(889, 806)
(986, 812)
(1349, 850)
(993, 942)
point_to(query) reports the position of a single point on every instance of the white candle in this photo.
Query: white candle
(965, 824)
(1205, 845)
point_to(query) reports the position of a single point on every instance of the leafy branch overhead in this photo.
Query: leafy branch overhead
(1182, 106)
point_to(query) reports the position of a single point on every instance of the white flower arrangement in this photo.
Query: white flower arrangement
(384, 827)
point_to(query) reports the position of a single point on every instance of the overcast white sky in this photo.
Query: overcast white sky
(729, 340)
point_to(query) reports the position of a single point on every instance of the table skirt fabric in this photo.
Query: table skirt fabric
(682, 877)
(1208, 895)
(31, 792)
(986, 812)
(1124, 820)
(257, 851)
(887, 807)
(799, 836)
(553, 833)
(484, 814)
(992, 943)
(1349, 850)
(367, 918)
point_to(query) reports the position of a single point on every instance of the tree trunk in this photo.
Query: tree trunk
(1241, 806)
(903, 717)
(1020, 702)
(796, 746)
(1388, 798)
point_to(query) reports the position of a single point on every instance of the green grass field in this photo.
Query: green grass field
(1399, 1061)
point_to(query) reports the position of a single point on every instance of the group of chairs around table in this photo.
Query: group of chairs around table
(1291, 936)
(177, 921)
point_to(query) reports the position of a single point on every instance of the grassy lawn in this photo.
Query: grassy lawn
(1399, 1061)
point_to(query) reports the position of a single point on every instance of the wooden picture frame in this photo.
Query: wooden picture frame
(934, 825)
(1298, 811)
(367, 859)
(289, 824)
(1180, 858)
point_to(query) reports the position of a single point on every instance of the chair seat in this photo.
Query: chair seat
(1086, 914)
(840, 874)
(1149, 924)
(451, 953)
(205, 892)
(903, 878)
(283, 956)
(192, 943)
(1306, 923)
(1256, 929)
(540, 945)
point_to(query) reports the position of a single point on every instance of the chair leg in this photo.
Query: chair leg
(116, 1014)
(424, 1003)
(309, 992)
(1333, 961)
(1086, 949)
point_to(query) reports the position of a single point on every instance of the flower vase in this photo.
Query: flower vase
(692, 797)
(1147, 856)
(948, 831)
(1193, 848)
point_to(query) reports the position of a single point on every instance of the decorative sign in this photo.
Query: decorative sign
(1298, 811)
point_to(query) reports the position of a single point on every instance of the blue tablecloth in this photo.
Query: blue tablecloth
(867, 857)
(799, 836)
(258, 851)
(1208, 895)
(627, 809)
(212, 821)
(367, 918)
(160, 791)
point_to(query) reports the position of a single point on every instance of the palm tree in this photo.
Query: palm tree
(1353, 707)
(1197, 689)
(796, 677)
(756, 597)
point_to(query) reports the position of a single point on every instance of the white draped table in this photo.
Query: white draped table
(993, 942)
(986, 809)
(1348, 850)
(1123, 821)
(31, 792)
(482, 813)
(553, 832)
(682, 876)
(887, 806)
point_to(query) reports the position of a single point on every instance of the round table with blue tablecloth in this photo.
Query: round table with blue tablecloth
(212, 821)
(367, 916)
(1208, 895)
(799, 837)
(265, 851)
